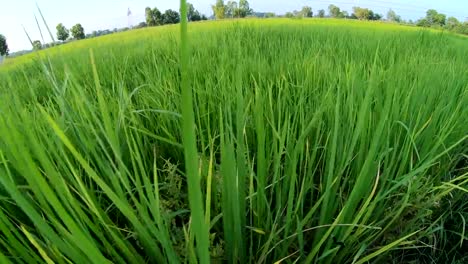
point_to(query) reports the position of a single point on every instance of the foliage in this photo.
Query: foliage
(309, 141)
(461, 28)
(392, 16)
(335, 11)
(432, 19)
(289, 15)
(150, 21)
(219, 9)
(244, 9)
(77, 31)
(345, 14)
(306, 11)
(435, 18)
(3, 46)
(365, 14)
(193, 14)
(270, 15)
(37, 45)
(321, 13)
(231, 9)
(154, 17)
(97, 33)
(376, 16)
(141, 25)
(62, 32)
(452, 23)
(171, 17)
(362, 13)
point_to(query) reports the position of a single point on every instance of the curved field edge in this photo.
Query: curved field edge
(318, 140)
(144, 34)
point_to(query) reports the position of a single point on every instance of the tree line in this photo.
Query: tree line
(241, 9)
(433, 19)
(154, 17)
(231, 9)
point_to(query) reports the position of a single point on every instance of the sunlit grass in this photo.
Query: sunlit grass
(254, 141)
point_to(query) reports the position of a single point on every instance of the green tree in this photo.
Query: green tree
(375, 16)
(335, 11)
(244, 8)
(62, 32)
(232, 9)
(452, 23)
(77, 31)
(434, 18)
(149, 17)
(289, 15)
(171, 17)
(140, 25)
(192, 13)
(154, 17)
(462, 28)
(219, 9)
(3, 46)
(365, 14)
(392, 16)
(423, 23)
(362, 13)
(37, 45)
(270, 15)
(321, 13)
(307, 11)
(159, 17)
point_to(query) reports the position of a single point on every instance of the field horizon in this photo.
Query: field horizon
(308, 21)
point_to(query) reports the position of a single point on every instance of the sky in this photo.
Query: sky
(110, 14)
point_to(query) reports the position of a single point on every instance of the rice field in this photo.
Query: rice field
(243, 141)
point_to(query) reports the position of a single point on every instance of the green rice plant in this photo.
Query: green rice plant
(240, 141)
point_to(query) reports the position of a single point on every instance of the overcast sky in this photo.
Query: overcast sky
(109, 14)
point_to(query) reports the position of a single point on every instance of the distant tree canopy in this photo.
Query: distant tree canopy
(335, 11)
(219, 9)
(62, 32)
(452, 23)
(321, 13)
(37, 45)
(3, 46)
(231, 9)
(392, 16)
(192, 13)
(77, 31)
(141, 25)
(365, 14)
(154, 17)
(432, 19)
(289, 15)
(244, 8)
(462, 28)
(171, 17)
(270, 14)
(306, 11)
(439, 20)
